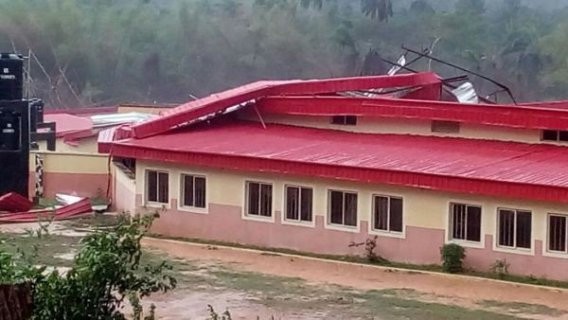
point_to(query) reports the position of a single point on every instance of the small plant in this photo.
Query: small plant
(213, 315)
(500, 268)
(370, 246)
(452, 257)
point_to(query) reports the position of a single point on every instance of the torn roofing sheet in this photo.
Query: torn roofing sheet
(218, 102)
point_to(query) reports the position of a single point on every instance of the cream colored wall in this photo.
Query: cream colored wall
(86, 145)
(422, 208)
(141, 109)
(405, 126)
(66, 158)
(60, 162)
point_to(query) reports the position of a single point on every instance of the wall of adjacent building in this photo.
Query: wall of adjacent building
(124, 191)
(425, 218)
(404, 126)
(77, 170)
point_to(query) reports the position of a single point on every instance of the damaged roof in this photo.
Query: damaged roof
(496, 168)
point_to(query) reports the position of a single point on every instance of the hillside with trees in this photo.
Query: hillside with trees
(100, 52)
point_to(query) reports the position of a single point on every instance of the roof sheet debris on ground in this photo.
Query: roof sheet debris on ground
(68, 207)
(13, 202)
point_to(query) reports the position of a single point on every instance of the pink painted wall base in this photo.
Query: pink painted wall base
(420, 245)
(84, 185)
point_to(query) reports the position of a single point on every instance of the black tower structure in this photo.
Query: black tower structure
(14, 126)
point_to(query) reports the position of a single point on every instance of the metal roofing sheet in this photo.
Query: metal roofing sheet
(529, 117)
(448, 157)
(66, 124)
(223, 100)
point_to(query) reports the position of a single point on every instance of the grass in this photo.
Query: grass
(287, 295)
(295, 295)
(382, 262)
(95, 221)
(521, 308)
(379, 302)
(44, 250)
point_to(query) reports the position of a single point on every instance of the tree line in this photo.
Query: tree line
(101, 52)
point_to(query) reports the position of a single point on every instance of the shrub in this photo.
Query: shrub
(500, 268)
(106, 272)
(213, 315)
(452, 258)
(370, 246)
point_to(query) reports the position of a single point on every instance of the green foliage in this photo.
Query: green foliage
(452, 257)
(106, 272)
(165, 51)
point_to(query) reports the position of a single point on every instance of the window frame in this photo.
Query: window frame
(436, 125)
(450, 229)
(259, 217)
(342, 227)
(345, 120)
(181, 205)
(515, 248)
(557, 133)
(548, 229)
(284, 219)
(396, 234)
(156, 204)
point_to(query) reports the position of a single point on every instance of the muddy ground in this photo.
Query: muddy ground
(253, 284)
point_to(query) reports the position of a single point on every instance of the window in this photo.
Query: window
(193, 191)
(298, 203)
(157, 186)
(465, 222)
(259, 199)
(515, 228)
(344, 120)
(445, 126)
(343, 208)
(557, 233)
(554, 135)
(387, 213)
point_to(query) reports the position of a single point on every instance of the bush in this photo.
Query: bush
(452, 257)
(106, 273)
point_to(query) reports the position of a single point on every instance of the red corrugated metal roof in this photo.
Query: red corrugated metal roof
(461, 165)
(527, 116)
(221, 101)
(67, 124)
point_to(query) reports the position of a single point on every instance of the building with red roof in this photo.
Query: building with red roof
(315, 165)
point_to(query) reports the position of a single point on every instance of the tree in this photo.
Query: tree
(377, 9)
(107, 271)
(475, 7)
(421, 7)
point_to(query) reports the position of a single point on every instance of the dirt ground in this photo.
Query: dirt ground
(430, 287)
(259, 285)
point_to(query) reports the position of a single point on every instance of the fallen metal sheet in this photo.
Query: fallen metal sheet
(65, 212)
(465, 93)
(106, 120)
(13, 202)
(401, 62)
(66, 199)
